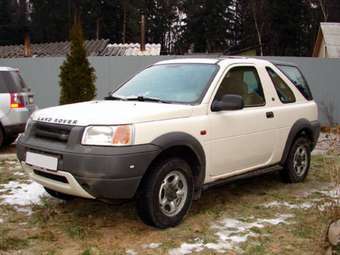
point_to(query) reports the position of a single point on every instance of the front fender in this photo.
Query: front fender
(173, 139)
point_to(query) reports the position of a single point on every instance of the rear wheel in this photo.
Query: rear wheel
(10, 140)
(2, 136)
(58, 195)
(298, 161)
(166, 193)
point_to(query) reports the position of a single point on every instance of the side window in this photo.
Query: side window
(245, 82)
(3, 82)
(295, 76)
(11, 82)
(285, 94)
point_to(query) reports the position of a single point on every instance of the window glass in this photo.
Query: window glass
(11, 82)
(182, 83)
(295, 76)
(245, 82)
(285, 94)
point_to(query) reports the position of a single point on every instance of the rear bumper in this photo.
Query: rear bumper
(16, 116)
(92, 171)
(15, 120)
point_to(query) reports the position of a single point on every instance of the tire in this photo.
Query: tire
(9, 140)
(161, 185)
(58, 195)
(2, 137)
(297, 164)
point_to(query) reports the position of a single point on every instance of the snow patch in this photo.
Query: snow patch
(305, 205)
(231, 233)
(1, 221)
(11, 162)
(333, 193)
(152, 245)
(187, 248)
(19, 174)
(21, 195)
(131, 252)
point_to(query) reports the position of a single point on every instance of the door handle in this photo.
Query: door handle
(269, 115)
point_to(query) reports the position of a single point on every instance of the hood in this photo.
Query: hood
(111, 113)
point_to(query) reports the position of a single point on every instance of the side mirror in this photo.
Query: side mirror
(228, 103)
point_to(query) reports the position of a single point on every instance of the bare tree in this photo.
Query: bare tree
(323, 8)
(255, 6)
(125, 6)
(322, 4)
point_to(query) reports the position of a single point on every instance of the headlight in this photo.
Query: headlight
(108, 135)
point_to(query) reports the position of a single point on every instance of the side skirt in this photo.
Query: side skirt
(250, 174)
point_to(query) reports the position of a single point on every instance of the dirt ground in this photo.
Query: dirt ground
(261, 215)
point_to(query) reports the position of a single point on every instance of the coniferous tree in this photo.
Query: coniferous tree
(77, 77)
(162, 22)
(102, 19)
(209, 25)
(51, 20)
(5, 22)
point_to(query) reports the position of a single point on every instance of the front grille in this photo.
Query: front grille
(51, 176)
(53, 132)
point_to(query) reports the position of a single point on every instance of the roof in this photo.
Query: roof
(55, 49)
(221, 61)
(189, 61)
(284, 63)
(93, 47)
(131, 49)
(7, 69)
(330, 33)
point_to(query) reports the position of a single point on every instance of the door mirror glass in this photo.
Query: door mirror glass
(228, 103)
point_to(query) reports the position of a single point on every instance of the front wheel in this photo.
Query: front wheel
(166, 193)
(298, 161)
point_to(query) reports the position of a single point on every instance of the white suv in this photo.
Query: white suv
(16, 105)
(173, 130)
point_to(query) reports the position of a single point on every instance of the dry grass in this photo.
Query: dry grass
(92, 227)
(331, 163)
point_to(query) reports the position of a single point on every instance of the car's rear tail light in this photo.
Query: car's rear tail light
(17, 101)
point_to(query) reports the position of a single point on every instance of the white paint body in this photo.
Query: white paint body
(236, 141)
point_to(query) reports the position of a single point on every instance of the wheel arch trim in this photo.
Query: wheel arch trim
(299, 125)
(175, 139)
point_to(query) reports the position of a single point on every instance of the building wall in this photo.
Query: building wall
(42, 75)
(322, 50)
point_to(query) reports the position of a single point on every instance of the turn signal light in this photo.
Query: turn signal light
(122, 135)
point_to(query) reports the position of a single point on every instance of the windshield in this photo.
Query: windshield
(179, 83)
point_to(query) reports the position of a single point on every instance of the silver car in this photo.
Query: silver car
(16, 105)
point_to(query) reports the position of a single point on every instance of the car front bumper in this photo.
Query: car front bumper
(90, 171)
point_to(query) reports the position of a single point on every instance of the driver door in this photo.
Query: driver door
(241, 139)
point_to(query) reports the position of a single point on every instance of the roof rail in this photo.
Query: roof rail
(233, 57)
(221, 58)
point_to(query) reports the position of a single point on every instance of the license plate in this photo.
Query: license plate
(43, 161)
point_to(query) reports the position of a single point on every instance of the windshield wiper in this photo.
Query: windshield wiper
(147, 99)
(112, 97)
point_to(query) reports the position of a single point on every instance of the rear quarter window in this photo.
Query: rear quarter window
(283, 91)
(11, 82)
(296, 77)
